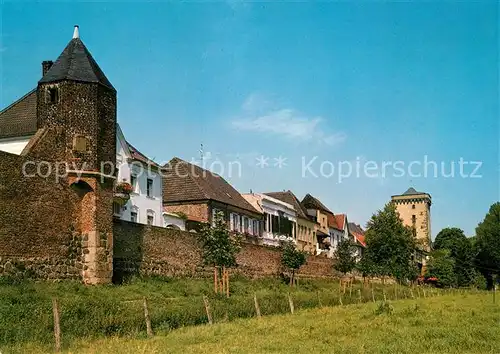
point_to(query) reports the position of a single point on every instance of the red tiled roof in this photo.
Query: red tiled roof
(340, 220)
(332, 222)
(360, 238)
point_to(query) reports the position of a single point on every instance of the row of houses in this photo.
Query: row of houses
(183, 195)
(179, 194)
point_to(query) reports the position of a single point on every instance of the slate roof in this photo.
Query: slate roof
(356, 228)
(290, 198)
(19, 119)
(411, 191)
(309, 202)
(184, 182)
(77, 64)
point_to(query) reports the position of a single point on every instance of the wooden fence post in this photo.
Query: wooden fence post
(227, 283)
(216, 281)
(57, 326)
(383, 291)
(290, 301)
(340, 299)
(207, 309)
(359, 295)
(149, 330)
(257, 307)
(373, 295)
(319, 299)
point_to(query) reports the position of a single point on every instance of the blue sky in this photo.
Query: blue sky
(342, 82)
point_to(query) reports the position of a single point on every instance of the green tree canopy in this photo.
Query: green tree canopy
(442, 266)
(460, 249)
(219, 248)
(292, 258)
(488, 244)
(390, 245)
(345, 261)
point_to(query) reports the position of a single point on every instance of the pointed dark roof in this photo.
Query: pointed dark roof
(411, 191)
(309, 202)
(290, 198)
(185, 182)
(19, 119)
(77, 64)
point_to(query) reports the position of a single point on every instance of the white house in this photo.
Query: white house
(145, 204)
(338, 230)
(280, 218)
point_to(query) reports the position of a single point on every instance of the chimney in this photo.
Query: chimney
(46, 65)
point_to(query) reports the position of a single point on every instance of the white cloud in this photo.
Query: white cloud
(260, 116)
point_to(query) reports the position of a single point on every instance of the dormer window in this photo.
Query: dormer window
(53, 95)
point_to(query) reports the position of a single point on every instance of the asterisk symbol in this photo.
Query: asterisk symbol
(280, 161)
(262, 161)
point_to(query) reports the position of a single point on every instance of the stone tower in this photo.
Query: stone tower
(76, 105)
(415, 210)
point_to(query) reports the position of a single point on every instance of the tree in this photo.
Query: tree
(487, 244)
(454, 240)
(390, 245)
(442, 266)
(345, 261)
(219, 248)
(292, 258)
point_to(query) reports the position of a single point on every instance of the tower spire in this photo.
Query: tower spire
(76, 32)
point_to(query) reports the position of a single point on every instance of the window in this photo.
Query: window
(413, 219)
(413, 206)
(150, 219)
(133, 182)
(236, 222)
(266, 217)
(246, 224)
(117, 209)
(53, 95)
(133, 216)
(149, 188)
(256, 227)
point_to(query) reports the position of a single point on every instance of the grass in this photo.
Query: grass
(463, 323)
(116, 311)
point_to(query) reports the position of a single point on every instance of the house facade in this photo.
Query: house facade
(338, 231)
(198, 194)
(319, 214)
(358, 235)
(306, 227)
(145, 205)
(279, 218)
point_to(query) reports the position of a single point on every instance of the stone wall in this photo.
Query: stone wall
(38, 237)
(146, 250)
